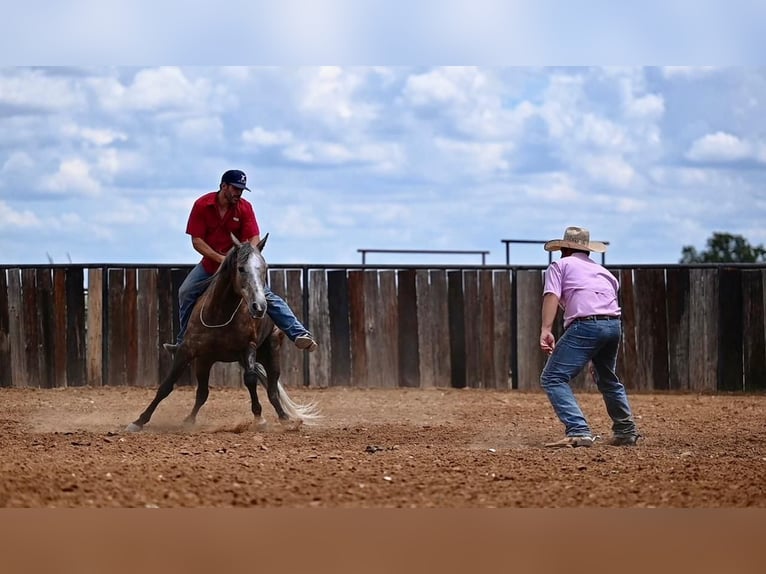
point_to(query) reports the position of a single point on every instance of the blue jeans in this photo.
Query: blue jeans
(585, 341)
(194, 285)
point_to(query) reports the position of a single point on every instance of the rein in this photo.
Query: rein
(202, 308)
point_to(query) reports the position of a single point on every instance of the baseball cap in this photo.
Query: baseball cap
(236, 178)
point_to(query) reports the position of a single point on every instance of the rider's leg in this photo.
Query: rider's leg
(188, 293)
(285, 319)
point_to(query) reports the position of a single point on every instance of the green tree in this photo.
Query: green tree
(724, 248)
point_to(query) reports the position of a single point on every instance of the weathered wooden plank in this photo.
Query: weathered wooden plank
(19, 374)
(377, 369)
(288, 360)
(703, 330)
(426, 320)
(531, 360)
(46, 324)
(340, 330)
(409, 369)
(486, 324)
(456, 313)
(167, 305)
(754, 338)
(293, 363)
(116, 328)
(651, 329)
(31, 326)
(75, 304)
(389, 328)
(130, 303)
(95, 333)
(502, 329)
(319, 325)
(6, 379)
(627, 358)
(730, 321)
(60, 329)
(147, 329)
(177, 277)
(678, 328)
(226, 375)
(471, 321)
(440, 329)
(358, 328)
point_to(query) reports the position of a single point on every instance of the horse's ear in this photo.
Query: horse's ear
(262, 242)
(236, 241)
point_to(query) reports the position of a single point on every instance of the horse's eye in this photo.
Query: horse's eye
(241, 269)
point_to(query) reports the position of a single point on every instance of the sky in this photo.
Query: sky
(101, 162)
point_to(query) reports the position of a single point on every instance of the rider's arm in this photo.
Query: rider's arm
(201, 246)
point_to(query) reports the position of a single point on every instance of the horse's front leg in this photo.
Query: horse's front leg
(253, 372)
(202, 373)
(180, 361)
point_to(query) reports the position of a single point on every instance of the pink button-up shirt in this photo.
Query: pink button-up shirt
(583, 287)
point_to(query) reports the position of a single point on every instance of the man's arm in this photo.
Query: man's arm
(255, 240)
(550, 308)
(201, 246)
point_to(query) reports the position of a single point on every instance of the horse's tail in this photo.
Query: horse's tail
(308, 413)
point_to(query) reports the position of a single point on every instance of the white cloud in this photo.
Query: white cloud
(443, 86)
(17, 164)
(600, 133)
(159, 90)
(329, 94)
(478, 157)
(647, 107)
(555, 189)
(472, 99)
(30, 89)
(112, 162)
(11, 218)
(719, 147)
(96, 136)
(73, 178)
(610, 170)
(260, 137)
(630, 205)
(382, 157)
(201, 130)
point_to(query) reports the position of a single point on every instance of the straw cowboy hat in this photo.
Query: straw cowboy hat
(575, 238)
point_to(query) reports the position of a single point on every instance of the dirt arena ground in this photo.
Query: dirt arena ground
(415, 448)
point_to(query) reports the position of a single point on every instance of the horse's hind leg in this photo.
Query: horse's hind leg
(202, 373)
(253, 371)
(268, 355)
(180, 361)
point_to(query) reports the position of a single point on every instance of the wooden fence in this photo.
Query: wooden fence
(685, 328)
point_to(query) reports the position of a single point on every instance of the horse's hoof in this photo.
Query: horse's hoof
(260, 423)
(133, 427)
(291, 424)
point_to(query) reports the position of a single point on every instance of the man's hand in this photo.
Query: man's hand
(547, 341)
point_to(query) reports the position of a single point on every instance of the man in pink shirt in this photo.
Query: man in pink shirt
(587, 293)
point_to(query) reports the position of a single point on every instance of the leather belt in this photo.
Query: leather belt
(597, 318)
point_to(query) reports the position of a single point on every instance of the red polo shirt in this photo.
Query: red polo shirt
(207, 224)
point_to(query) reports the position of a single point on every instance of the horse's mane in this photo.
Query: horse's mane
(241, 253)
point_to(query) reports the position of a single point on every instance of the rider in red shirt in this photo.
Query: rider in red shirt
(213, 218)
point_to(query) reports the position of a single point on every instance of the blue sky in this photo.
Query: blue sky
(101, 162)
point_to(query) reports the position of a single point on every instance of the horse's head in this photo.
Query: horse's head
(249, 276)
